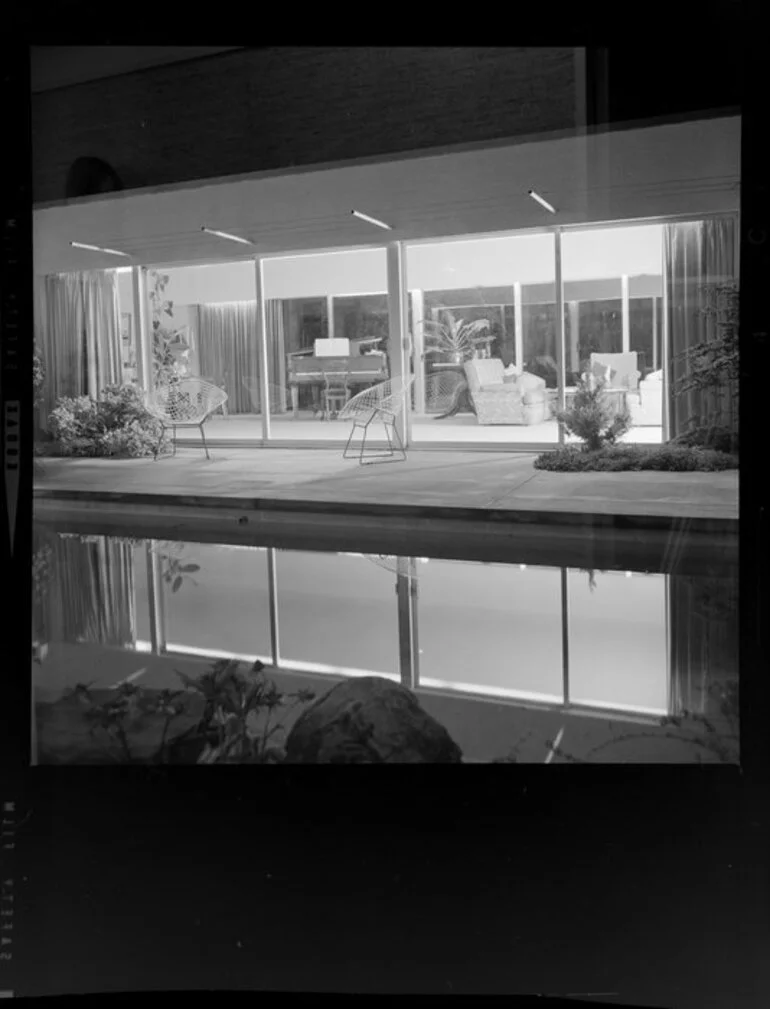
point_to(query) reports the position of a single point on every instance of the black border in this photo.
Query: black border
(648, 881)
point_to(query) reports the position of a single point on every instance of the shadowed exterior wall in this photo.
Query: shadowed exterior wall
(272, 108)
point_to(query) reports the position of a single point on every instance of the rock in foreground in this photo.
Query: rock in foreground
(369, 720)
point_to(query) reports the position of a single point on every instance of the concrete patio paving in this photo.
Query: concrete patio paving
(439, 483)
(490, 506)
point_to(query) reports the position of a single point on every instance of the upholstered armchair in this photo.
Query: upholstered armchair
(647, 411)
(505, 398)
(619, 372)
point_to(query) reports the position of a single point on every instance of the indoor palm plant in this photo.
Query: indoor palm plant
(458, 340)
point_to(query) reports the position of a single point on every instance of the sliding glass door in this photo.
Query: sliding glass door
(482, 313)
(202, 323)
(485, 322)
(613, 291)
(327, 339)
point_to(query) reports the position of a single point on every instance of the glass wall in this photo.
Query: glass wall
(483, 312)
(202, 323)
(327, 338)
(481, 324)
(613, 288)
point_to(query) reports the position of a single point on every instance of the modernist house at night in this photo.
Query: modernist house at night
(486, 266)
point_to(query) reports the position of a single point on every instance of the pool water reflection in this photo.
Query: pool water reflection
(618, 665)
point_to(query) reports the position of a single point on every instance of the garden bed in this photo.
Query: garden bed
(629, 458)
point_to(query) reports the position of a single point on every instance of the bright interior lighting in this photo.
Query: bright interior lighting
(371, 220)
(227, 235)
(98, 248)
(541, 201)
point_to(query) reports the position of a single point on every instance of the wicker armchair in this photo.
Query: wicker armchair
(383, 402)
(187, 403)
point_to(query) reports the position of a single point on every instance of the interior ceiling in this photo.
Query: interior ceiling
(62, 66)
(658, 171)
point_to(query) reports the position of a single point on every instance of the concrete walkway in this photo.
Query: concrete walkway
(440, 484)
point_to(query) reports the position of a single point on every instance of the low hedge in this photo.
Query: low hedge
(630, 458)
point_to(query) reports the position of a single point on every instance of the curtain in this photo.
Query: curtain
(91, 593)
(698, 257)
(227, 350)
(77, 327)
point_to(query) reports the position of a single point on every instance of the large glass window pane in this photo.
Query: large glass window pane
(327, 338)
(337, 610)
(491, 628)
(221, 602)
(618, 651)
(613, 284)
(203, 324)
(483, 314)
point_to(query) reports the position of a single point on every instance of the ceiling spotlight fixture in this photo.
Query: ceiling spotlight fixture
(541, 201)
(371, 220)
(225, 234)
(98, 248)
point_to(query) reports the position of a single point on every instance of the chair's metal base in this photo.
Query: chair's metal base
(173, 438)
(367, 459)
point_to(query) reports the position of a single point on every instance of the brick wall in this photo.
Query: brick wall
(269, 108)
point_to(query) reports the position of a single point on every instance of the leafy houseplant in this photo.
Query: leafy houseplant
(168, 345)
(117, 424)
(459, 340)
(38, 376)
(592, 417)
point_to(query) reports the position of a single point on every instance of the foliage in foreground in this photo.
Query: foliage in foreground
(708, 741)
(224, 716)
(117, 424)
(629, 458)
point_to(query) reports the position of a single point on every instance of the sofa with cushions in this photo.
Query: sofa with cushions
(504, 395)
(647, 410)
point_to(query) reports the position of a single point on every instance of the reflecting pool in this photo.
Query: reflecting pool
(518, 662)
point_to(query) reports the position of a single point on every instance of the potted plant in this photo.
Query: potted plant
(170, 348)
(456, 339)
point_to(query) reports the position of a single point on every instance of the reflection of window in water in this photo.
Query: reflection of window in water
(641, 643)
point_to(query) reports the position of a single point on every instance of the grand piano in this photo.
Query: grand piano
(332, 359)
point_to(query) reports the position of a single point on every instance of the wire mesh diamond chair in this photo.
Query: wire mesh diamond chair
(186, 403)
(383, 403)
(441, 390)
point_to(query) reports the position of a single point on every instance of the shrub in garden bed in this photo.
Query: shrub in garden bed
(117, 424)
(720, 439)
(628, 458)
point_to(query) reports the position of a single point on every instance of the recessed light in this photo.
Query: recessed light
(227, 235)
(99, 248)
(541, 201)
(371, 220)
